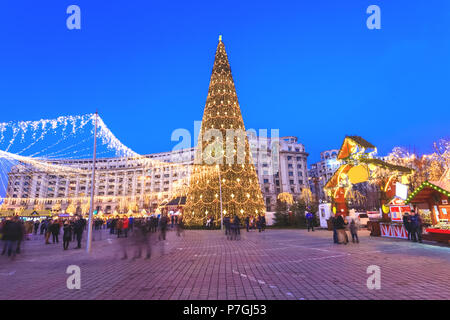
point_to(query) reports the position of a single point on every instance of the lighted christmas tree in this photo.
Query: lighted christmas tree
(222, 154)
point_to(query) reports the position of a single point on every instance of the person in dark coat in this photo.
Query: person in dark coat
(163, 222)
(78, 229)
(236, 226)
(247, 222)
(419, 228)
(414, 227)
(226, 222)
(67, 235)
(43, 227)
(333, 223)
(340, 228)
(12, 233)
(36, 227)
(54, 229)
(310, 221)
(407, 225)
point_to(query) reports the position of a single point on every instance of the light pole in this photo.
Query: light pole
(220, 198)
(91, 209)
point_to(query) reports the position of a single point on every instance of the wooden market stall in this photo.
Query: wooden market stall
(431, 201)
(394, 228)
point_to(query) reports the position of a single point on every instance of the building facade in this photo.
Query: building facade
(320, 172)
(144, 183)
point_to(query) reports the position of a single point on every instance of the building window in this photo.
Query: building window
(266, 180)
(291, 173)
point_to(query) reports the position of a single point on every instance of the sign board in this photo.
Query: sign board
(401, 190)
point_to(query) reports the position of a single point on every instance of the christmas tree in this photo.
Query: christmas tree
(224, 175)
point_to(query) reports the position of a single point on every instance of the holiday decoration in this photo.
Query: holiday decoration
(224, 173)
(358, 165)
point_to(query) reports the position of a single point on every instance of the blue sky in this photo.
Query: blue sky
(309, 68)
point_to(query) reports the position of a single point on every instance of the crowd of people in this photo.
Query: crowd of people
(340, 223)
(13, 231)
(258, 222)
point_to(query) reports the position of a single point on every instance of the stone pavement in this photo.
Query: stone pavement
(276, 264)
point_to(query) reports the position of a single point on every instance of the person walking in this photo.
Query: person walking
(340, 226)
(36, 227)
(43, 226)
(48, 231)
(55, 231)
(67, 235)
(354, 227)
(141, 239)
(259, 223)
(333, 221)
(419, 228)
(163, 222)
(415, 226)
(180, 226)
(119, 227)
(12, 233)
(247, 222)
(78, 229)
(310, 220)
(125, 226)
(407, 225)
(236, 227)
(226, 222)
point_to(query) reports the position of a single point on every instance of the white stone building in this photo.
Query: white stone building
(320, 172)
(128, 183)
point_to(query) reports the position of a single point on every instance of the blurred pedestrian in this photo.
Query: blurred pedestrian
(310, 221)
(333, 221)
(406, 224)
(67, 235)
(354, 227)
(180, 227)
(54, 229)
(48, 231)
(36, 227)
(141, 237)
(12, 233)
(163, 222)
(78, 228)
(119, 227)
(340, 228)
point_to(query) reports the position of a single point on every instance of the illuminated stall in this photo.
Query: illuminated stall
(431, 201)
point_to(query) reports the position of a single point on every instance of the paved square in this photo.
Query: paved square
(276, 264)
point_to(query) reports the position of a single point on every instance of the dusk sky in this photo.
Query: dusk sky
(308, 68)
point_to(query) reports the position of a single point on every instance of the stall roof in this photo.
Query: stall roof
(386, 165)
(425, 190)
(179, 201)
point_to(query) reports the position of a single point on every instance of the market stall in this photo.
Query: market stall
(395, 228)
(431, 201)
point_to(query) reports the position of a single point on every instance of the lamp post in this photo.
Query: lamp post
(91, 209)
(220, 199)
